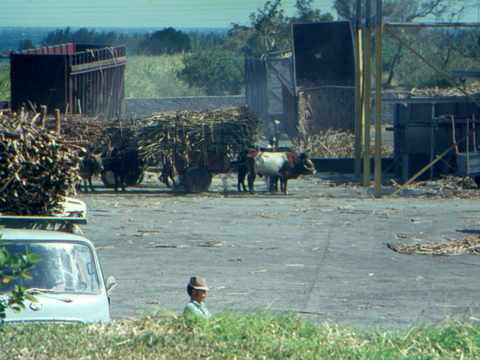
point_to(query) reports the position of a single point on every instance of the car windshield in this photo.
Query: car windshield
(62, 267)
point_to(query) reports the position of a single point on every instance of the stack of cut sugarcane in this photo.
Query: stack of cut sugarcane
(37, 170)
(471, 89)
(224, 131)
(83, 130)
(333, 143)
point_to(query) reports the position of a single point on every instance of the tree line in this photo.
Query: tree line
(214, 61)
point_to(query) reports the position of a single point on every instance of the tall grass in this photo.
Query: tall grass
(234, 336)
(4, 81)
(155, 76)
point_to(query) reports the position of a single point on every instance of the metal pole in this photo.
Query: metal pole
(358, 91)
(378, 100)
(367, 93)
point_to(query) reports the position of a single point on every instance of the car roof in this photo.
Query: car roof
(42, 235)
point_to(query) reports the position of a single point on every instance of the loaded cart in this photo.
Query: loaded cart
(197, 145)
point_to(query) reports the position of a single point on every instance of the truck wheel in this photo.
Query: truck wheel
(197, 180)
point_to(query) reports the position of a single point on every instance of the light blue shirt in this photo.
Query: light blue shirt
(194, 308)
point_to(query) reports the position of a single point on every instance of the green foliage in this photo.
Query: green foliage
(218, 71)
(204, 40)
(83, 36)
(230, 336)
(11, 268)
(269, 28)
(443, 49)
(155, 77)
(402, 67)
(166, 41)
(4, 81)
(25, 44)
(92, 37)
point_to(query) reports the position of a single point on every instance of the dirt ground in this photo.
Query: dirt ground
(319, 252)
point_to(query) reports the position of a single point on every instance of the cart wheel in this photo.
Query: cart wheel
(477, 181)
(197, 180)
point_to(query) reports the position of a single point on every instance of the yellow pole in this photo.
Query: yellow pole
(378, 101)
(358, 102)
(367, 84)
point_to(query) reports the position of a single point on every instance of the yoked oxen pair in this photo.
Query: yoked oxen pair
(275, 165)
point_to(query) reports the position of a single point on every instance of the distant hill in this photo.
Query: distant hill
(10, 37)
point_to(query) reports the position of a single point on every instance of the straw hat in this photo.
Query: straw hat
(198, 283)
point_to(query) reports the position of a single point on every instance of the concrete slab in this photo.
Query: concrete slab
(320, 252)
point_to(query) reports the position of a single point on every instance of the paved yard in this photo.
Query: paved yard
(320, 252)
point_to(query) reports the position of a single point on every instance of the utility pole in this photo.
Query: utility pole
(378, 98)
(367, 88)
(359, 119)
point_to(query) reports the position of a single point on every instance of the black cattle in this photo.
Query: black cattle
(171, 169)
(240, 165)
(168, 173)
(90, 165)
(122, 162)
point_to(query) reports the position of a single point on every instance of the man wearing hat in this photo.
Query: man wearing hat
(197, 290)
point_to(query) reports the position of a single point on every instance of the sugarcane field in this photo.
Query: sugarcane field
(313, 178)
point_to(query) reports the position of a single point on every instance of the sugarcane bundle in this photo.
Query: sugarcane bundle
(469, 245)
(190, 133)
(333, 143)
(37, 170)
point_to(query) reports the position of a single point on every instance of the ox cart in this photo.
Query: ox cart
(194, 146)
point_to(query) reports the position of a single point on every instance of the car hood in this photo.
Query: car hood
(63, 308)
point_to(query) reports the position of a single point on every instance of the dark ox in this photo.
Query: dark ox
(90, 166)
(172, 168)
(121, 161)
(240, 165)
(277, 165)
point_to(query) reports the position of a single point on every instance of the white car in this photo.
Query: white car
(67, 282)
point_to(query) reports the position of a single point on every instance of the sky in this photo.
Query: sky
(135, 13)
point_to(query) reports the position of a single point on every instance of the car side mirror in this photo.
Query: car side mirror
(111, 284)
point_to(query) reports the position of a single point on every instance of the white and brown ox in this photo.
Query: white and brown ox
(277, 165)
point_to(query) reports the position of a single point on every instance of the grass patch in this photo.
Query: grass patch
(235, 336)
(155, 77)
(4, 81)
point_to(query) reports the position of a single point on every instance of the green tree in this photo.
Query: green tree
(218, 71)
(306, 13)
(269, 28)
(166, 41)
(25, 44)
(11, 268)
(83, 36)
(401, 11)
